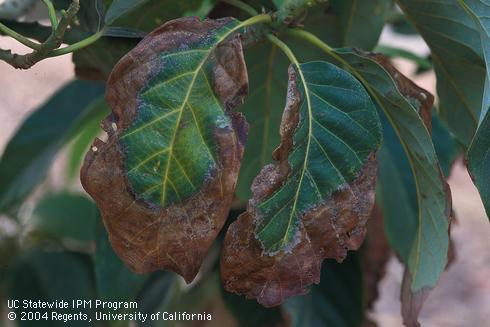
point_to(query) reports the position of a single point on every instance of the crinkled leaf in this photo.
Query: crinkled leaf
(479, 151)
(64, 215)
(336, 301)
(165, 179)
(360, 21)
(326, 161)
(31, 150)
(458, 60)
(421, 239)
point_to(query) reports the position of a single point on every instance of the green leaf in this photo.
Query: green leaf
(458, 60)
(424, 248)
(32, 149)
(174, 146)
(65, 215)
(146, 15)
(267, 70)
(96, 62)
(479, 151)
(164, 171)
(314, 202)
(446, 146)
(113, 279)
(336, 301)
(241, 309)
(338, 130)
(120, 7)
(360, 21)
(81, 144)
(52, 276)
(423, 64)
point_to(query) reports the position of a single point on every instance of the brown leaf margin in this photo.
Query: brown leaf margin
(328, 230)
(422, 100)
(147, 237)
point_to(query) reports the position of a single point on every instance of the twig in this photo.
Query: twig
(45, 49)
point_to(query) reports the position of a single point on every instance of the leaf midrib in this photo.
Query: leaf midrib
(184, 103)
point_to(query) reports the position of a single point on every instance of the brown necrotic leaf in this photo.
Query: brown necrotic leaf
(314, 202)
(165, 178)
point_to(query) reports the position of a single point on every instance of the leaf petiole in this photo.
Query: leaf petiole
(52, 14)
(77, 46)
(13, 34)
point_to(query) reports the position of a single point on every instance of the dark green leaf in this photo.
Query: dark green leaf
(267, 67)
(457, 54)
(336, 301)
(479, 151)
(114, 31)
(52, 276)
(338, 130)
(146, 15)
(114, 281)
(120, 7)
(95, 62)
(330, 133)
(160, 291)
(360, 21)
(390, 52)
(32, 149)
(446, 147)
(267, 70)
(89, 130)
(250, 313)
(424, 248)
(65, 215)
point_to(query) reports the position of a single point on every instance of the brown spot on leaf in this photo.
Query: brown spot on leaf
(145, 236)
(327, 230)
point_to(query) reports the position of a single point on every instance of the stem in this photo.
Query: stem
(13, 34)
(243, 6)
(263, 18)
(52, 14)
(77, 46)
(287, 51)
(313, 39)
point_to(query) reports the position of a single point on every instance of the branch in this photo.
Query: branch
(53, 42)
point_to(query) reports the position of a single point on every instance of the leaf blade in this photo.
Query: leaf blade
(23, 166)
(290, 219)
(177, 182)
(478, 153)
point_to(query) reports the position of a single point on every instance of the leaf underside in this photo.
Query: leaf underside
(165, 178)
(314, 202)
(421, 236)
(479, 151)
(460, 71)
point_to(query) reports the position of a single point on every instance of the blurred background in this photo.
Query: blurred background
(462, 297)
